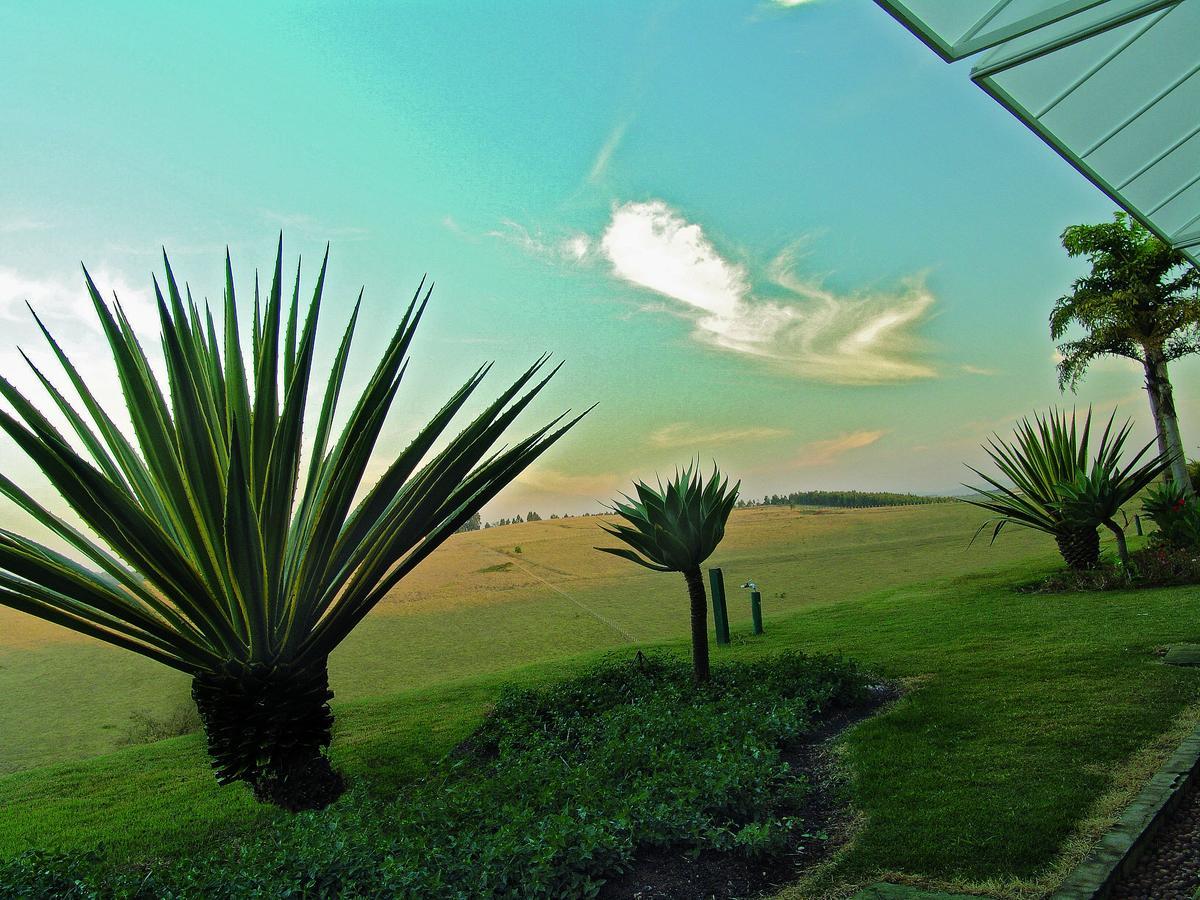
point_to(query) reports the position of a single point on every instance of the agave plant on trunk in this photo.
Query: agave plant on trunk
(207, 560)
(1057, 488)
(675, 529)
(1097, 495)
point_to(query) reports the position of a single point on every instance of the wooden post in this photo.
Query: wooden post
(716, 581)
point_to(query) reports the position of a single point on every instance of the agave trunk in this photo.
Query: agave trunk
(1080, 547)
(1122, 544)
(696, 594)
(270, 726)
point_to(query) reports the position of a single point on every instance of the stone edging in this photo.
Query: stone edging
(1119, 848)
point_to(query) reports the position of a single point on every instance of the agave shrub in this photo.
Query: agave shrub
(675, 529)
(1057, 488)
(219, 554)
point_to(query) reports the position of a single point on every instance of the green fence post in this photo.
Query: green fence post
(756, 611)
(720, 613)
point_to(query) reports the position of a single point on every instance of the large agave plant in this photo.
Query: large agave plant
(1057, 488)
(218, 554)
(1097, 495)
(675, 529)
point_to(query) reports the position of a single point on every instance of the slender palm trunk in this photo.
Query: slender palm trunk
(1122, 547)
(270, 726)
(1166, 423)
(699, 600)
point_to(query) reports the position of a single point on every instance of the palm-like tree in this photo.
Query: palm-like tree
(675, 529)
(1141, 301)
(1057, 490)
(206, 559)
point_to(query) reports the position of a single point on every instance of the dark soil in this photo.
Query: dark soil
(676, 875)
(1169, 868)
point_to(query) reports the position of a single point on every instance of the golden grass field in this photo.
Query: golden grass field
(478, 606)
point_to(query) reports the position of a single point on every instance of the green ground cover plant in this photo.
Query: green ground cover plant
(1176, 516)
(556, 791)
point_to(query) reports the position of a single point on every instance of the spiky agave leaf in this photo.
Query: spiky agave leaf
(1056, 487)
(213, 552)
(1043, 455)
(677, 527)
(1097, 495)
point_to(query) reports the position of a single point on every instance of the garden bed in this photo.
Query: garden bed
(1154, 566)
(625, 780)
(825, 825)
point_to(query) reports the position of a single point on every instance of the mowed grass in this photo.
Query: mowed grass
(477, 607)
(1022, 712)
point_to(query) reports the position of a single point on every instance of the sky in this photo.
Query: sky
(781, 236)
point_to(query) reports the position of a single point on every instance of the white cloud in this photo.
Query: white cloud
(651, 245)
(577, 247)
(863, 338)
(685, 434)
(822, 453)
(65, 301)
(63, 304)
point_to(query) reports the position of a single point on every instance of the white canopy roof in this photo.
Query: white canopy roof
(1112, 85)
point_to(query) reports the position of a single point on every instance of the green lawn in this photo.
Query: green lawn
(476, 607)
(1022, 710)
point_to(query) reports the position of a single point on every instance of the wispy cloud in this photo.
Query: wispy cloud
(822, 453)
(64, 301)
(604, 156)
(685, 434)
(572, 248)
(16, 226)
(862, 338)
(310, 225)
(978, 370)
(589, 486)
(64, 306)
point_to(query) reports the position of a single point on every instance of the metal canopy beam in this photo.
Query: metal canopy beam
(1065, 38)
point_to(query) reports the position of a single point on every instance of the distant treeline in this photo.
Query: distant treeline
(849, 499)
(475, 523)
